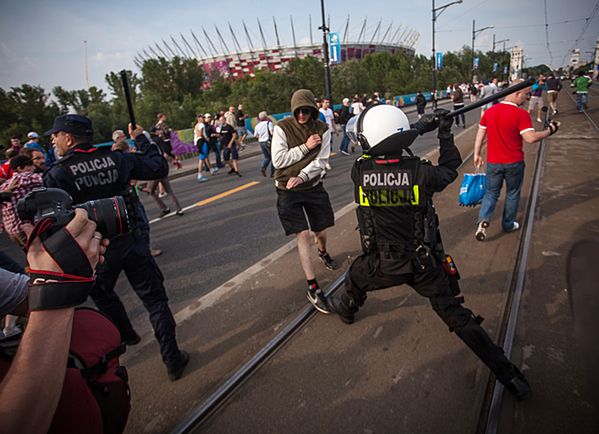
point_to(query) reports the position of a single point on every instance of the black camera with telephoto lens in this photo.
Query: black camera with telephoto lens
(110, 214)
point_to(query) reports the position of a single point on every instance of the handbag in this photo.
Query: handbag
(474, 186)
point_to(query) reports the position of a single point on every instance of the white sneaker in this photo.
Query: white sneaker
(214, 170)
(481, 230)
(345, 152)
(515, 227)
(202, 178)
(163, 194)
(328, 167)
(539, 120)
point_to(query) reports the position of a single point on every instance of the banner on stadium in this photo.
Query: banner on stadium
(334, 48)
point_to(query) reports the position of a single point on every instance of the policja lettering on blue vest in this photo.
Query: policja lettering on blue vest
(94, 172)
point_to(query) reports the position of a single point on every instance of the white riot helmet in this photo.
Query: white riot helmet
(381, 129)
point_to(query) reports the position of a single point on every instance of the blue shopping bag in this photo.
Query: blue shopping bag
(473, 189)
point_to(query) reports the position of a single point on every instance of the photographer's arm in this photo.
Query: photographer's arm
(31, 389)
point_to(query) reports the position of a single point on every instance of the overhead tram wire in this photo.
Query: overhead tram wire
(547, 36)
(584, 29)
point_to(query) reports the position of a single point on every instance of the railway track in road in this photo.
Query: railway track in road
(493, 399)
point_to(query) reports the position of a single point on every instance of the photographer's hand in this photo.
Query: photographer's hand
(31, 389)
(83, 230)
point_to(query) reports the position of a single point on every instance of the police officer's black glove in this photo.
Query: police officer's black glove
(426, 123)
(445, 123)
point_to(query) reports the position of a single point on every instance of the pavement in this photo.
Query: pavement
(397, 369)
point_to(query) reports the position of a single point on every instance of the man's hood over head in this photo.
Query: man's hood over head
(304, 98)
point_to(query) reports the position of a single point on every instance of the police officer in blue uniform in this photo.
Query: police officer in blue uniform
(399, 230)
(88, 173)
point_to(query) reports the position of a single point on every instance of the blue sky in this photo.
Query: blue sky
(41, 42)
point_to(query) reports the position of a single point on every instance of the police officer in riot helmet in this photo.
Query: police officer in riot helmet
(89, 173)
(399, 231)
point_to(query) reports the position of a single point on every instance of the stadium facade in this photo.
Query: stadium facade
(245, 61)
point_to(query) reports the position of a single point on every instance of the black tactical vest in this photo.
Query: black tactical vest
(395, 212)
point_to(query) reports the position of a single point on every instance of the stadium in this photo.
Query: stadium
(232, 59)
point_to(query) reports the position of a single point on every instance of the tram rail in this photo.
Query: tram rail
(492, 403)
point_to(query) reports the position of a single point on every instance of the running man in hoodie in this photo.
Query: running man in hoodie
(300, 150)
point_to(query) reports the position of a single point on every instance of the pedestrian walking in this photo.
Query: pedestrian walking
(505, 126)
(581, 87)
(300, 148)
(263, 131)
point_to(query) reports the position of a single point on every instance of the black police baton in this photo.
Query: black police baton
(494, 97)
(128, 99)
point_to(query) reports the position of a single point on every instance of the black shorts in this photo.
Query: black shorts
(230, 153)
(305, 209)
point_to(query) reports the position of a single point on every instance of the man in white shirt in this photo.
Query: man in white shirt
(329, 118)
(263, 131)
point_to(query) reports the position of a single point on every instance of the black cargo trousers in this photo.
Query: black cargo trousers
(441, 289)
(131, 253)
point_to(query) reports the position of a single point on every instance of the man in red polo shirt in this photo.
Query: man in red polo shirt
(505, 125)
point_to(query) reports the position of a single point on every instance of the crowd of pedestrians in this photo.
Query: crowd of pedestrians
(296, 154)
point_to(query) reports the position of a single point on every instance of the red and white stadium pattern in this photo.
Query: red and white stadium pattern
(241, 62)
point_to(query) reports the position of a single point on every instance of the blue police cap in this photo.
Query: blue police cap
(74, 124)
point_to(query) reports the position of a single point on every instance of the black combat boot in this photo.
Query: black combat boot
(343, 306)
(517, 385)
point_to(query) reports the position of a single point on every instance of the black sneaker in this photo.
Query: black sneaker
(175, 372)
(328, 262)
(316, 297)
(164, 212)
(336, 305)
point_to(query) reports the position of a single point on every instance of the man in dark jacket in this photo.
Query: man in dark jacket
(400, 234)
(89, 173)
(554, 85)
(300, 150)
(341, 118)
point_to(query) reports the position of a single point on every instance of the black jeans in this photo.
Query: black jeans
(131, 254)
(441, 290)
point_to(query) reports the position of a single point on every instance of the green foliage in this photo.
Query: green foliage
(177, 88)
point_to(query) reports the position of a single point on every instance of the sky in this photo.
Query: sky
(42, 41)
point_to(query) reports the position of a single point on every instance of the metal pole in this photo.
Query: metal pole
(325, 48)
(472, 63)
(86, 70)
(434, 62)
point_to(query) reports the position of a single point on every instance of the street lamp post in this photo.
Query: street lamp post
(499, 42)
(436, 15)
(474, 34)
(495, 43)
(325, 48)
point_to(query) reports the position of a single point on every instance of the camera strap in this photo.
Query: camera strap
(71, 286)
